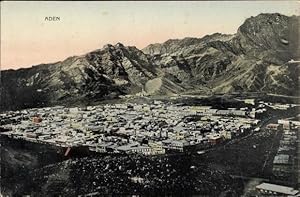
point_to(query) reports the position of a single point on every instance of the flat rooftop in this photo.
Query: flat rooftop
(277, 188)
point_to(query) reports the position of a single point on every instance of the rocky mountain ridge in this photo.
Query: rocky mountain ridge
(255, 59)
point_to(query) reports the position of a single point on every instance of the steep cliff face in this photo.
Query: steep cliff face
(253, 59)
(271, 37)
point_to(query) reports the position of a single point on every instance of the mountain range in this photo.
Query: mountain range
(254, 59)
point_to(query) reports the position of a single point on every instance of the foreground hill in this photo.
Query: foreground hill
(253, 59)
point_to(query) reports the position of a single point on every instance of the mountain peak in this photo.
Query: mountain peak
(108, 46)
(119, 45)
(264, 19)
(261, 34)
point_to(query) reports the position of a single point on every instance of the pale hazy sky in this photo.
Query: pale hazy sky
(27, 39)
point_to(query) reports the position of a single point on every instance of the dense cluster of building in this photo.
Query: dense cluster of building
(285, 159)
(147, 129)
(284, 163)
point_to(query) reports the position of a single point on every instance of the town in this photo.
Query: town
(147, 129)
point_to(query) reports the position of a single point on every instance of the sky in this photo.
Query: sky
(28, 39)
